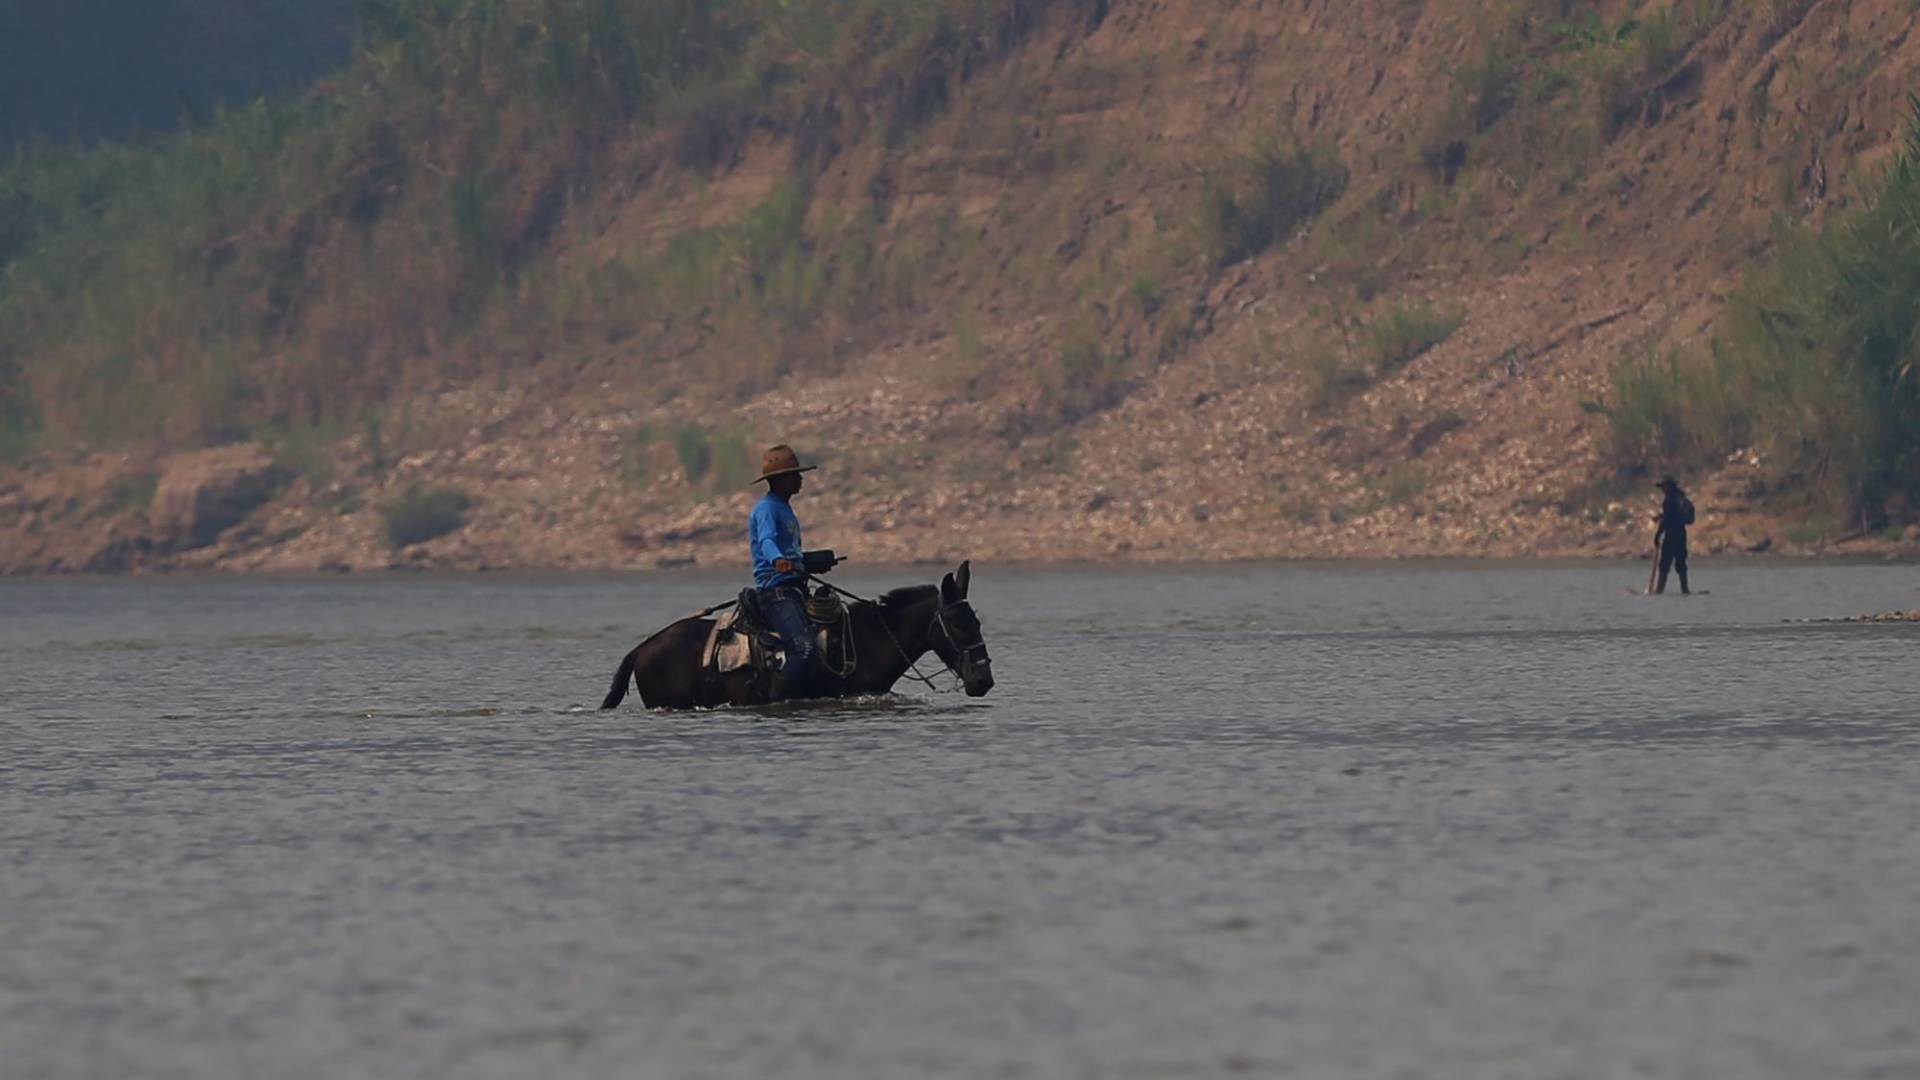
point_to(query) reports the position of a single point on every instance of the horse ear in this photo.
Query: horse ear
(949, 592)
(962, 579)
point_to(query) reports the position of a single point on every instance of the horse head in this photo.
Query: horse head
(956, 636)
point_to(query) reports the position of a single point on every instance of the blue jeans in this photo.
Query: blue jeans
(785, 606)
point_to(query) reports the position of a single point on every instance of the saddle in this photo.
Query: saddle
(742, 637)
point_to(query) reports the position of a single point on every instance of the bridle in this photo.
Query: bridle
(965, 653)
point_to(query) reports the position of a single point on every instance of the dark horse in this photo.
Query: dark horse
(888, 637)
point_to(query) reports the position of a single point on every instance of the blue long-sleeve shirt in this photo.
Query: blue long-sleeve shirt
(774, 533)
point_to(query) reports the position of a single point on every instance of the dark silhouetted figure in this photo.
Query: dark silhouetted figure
(1676, 513)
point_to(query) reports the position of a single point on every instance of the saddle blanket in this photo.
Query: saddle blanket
(735, 643)
(730, 646)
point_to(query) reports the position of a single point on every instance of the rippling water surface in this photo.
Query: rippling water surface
(1309, 820)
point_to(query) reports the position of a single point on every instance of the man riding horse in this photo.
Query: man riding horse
(773, 532)
(880, 641)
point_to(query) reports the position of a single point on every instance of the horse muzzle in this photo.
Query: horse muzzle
(978, 680)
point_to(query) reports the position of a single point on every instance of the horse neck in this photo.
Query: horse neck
(908, 625)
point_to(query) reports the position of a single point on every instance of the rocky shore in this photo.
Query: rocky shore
(1912, 616)
(560, 506)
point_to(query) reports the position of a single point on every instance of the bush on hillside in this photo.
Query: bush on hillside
(636, 452)
(1088, 378)
(1330, 378)
(423, 512)
(1394, 339)
(18, 420)
(720, 460)
(1260, 199)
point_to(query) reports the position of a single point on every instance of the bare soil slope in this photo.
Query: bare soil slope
(1057, 366)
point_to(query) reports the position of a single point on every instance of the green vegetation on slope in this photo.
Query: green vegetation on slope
(422, 513)
(288, 265)
(1817, 370)
(1549, 84)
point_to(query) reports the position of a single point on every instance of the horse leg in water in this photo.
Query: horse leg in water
(665, 668)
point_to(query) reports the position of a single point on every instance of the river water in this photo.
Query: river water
(1320, 821)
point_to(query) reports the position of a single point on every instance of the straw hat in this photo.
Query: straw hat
(779, 461)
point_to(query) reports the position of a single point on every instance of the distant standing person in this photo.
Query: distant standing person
(1670, 537)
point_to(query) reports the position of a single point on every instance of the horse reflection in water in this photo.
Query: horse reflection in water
(886, 638)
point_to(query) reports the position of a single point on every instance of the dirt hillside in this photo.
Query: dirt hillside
(1061, 358)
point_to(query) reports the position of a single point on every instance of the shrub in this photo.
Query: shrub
(695, 451)
(1480, 94)
(1675, 410)
(1330, 378)
(1051, 454)
(1086, 379)
(718, 460)
(1261, 198)
(1395, 338)
(1430, 433)
(19, 420)
(1146, 295)
(1402, 484)
(733, 464)
(302, 450)
(1490, 85)
(1810, 532)
(133, 491)
(423, 512)
(1301, 508)
(970, 359)
(635, 451)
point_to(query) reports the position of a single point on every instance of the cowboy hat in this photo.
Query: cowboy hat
(1668, 482)
(779, 461)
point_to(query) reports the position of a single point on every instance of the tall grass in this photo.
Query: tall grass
(715, 460)
(422, 513)
(1817, 369)
(1087, 378)
(1624, 64)
(1397, 336)
(1263, 196)
(292, 263)
(19, 420)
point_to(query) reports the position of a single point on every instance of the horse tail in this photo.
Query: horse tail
(621, 678)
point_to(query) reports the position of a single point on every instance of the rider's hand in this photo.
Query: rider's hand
(785, 566)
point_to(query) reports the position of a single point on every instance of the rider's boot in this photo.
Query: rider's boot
(799, 677)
